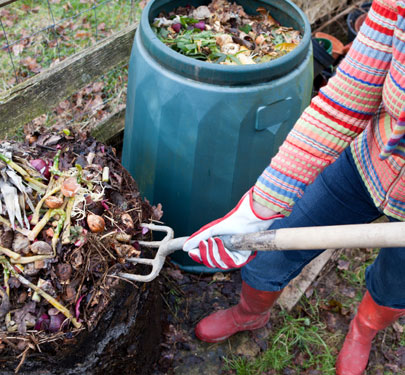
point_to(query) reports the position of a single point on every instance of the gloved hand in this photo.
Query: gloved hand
(204, 248)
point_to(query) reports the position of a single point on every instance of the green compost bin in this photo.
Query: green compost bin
(197, 135)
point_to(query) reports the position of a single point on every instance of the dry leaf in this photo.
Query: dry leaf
(98, 86)
(398, 327)
(219, 276)
(349, 292)
(343, 264)
(101, 26)
(157, 212)
(31, 64)
(17, 49)
(82, 34)
(143, 3)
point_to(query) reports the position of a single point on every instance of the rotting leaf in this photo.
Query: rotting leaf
(157, 212)
(334, 305)
(64, 271)
(23, 317)
(343, 264)
(219, 276)
(5, 303)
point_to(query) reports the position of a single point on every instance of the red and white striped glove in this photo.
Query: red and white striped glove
(204, 247)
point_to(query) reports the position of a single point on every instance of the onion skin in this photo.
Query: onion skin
(41, 248)
(30, 138)
(50, 232)
(127, 221)
(200, 25)
(41, 166)
(176, 27)
(54, 202)
(56, 322)
(42, 323)
(96, 223)
(260, 40)
(70, 187)
(77, 307)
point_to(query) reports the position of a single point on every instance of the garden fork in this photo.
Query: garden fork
(309, 238)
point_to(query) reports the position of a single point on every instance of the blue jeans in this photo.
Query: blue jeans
(337, 196)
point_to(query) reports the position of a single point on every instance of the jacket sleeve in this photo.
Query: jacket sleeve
(337, 115)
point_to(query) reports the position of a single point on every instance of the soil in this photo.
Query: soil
(188, 298)
(125, 341)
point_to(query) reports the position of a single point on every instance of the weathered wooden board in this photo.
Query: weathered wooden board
(6, 2)
(345, 10)
(44, 91)
(297, 287)
(111, 128)
(316, 9)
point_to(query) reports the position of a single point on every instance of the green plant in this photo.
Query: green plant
(355, 274)
(192, 43)
(241, 365)
(302, 334)
(296, 337)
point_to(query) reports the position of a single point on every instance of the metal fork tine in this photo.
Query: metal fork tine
(141, 260)
(160, 228)
(150, 243)
(140, 278)
(165, 247)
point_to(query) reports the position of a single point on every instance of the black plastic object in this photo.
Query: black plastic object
(351, 19)
(322, 59)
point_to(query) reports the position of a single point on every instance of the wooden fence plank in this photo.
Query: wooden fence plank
(111, 128)
(44, 91)
(3, 3)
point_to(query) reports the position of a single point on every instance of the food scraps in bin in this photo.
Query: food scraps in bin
(221, 32)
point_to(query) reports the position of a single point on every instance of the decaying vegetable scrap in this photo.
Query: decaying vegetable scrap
(69, 218)
(222, 32)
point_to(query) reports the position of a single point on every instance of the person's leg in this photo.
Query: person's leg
(370, 318)
(383, 303)
(338, 196)
(385, 278)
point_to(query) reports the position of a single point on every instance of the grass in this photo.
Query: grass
(36, 44)
(298, 344)
(355, 276)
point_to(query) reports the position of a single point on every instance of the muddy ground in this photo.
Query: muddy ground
(330, 302)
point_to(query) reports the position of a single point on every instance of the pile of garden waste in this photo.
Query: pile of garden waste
(223, 33)
(70, 215)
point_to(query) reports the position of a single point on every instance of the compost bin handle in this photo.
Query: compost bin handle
(271, 116)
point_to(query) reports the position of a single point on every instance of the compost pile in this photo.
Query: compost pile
(70, 215)
(223, 33)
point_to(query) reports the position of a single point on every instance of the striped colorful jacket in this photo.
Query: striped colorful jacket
(363, 106)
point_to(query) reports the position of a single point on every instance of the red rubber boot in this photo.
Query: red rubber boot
(250, 313)
(370, 318)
